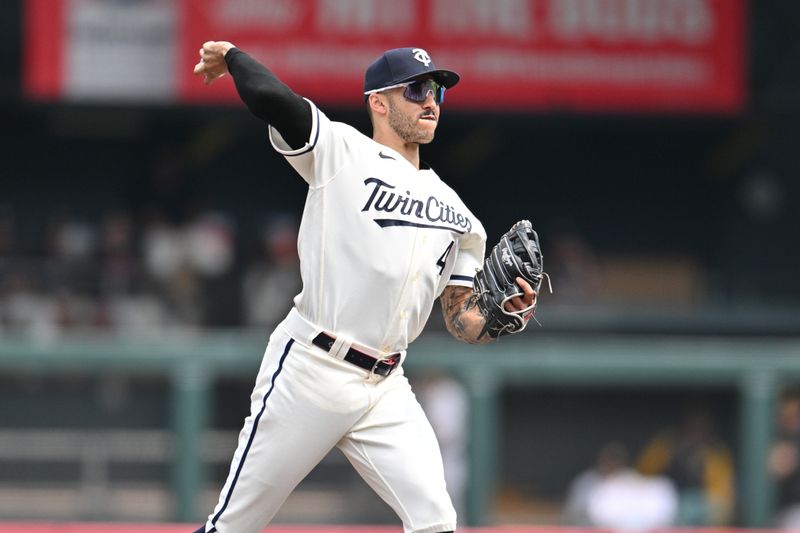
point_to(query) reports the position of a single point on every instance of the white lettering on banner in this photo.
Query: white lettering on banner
(365, 16)
(619, 69)
(688, 22)
(501, 18)
(341, 61)
(264, 13)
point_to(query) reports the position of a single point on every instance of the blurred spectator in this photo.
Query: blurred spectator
(611, 459)
(96, 275)
(42, 297)
(72, 239)
(784, 461)
(210, 251)
(699, 464)
(209, 244)
(167, 264)
(272, 280)
(71, 246)
(73, 309)
(162, 247)
(29, 309)
(444, 400)
(613, 495)
(629, 501)
(140, 313)
(191, 265)
(118, 263)
(123, 303)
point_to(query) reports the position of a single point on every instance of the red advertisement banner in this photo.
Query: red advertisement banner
(585, 55)
(628, 56)
(43, 42)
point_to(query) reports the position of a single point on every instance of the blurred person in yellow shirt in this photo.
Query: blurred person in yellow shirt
(700, 466)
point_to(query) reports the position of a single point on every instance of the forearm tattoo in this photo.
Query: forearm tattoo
(461, 315)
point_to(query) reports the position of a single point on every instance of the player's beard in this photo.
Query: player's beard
(408, 127)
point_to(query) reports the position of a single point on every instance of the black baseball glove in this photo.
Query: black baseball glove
(516, 255)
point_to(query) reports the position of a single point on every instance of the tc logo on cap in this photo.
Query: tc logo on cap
(422, 56)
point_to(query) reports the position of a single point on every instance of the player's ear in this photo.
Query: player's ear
(377, 103)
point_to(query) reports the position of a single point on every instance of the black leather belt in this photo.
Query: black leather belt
(382, 367)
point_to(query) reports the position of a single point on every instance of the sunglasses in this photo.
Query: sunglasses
(418, 91)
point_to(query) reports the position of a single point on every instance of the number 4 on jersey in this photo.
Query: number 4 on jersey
(442, 262)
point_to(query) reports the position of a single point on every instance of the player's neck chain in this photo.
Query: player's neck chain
(431, 209)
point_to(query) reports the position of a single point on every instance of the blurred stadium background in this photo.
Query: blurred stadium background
(146, 248)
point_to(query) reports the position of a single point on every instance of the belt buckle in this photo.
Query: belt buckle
(391, 363)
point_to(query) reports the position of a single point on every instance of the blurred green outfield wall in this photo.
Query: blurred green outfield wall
(756, 367)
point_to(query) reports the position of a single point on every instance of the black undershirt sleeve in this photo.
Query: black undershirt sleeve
(270, 99)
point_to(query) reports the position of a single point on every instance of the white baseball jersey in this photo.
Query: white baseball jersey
(379, 240)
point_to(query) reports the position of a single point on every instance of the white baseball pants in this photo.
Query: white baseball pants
(305, 402)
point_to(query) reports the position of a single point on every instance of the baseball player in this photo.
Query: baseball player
(382, 236)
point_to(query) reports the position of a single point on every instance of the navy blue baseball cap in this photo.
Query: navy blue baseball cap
(400, 65)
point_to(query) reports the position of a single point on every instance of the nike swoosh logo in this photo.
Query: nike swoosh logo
(384, 156)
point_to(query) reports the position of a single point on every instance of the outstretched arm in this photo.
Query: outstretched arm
(265, 95)
(464, 320)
